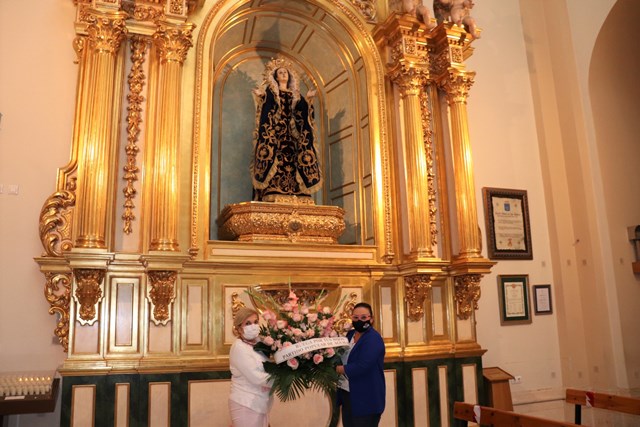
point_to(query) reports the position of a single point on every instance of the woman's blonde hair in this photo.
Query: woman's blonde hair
(243, 314)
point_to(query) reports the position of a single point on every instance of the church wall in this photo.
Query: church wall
(37, 101)
(506, 155)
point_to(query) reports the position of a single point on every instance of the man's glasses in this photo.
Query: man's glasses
(363, 318)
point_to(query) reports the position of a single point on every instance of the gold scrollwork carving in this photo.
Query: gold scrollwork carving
(467, 294)
(417, 290)
(161, 294)
(141, 12)
(427, 136)
(367, 8)
(88, 293)
(56, 217)
(57, 291)
(236, 303)
(106, 33)
(173, 43)
(345, 314)
(134, 118)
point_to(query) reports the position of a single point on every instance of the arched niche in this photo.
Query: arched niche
(330, 46)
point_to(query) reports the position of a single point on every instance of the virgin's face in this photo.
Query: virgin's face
(282, 75)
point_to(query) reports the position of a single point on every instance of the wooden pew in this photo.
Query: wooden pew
(497, 417)
(580, 398)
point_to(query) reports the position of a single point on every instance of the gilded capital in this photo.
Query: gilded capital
(88, 293)
(106, 30)
(410, 80)
(467, 294)
(457, 86)
(161, 294)
(173, 41)
(417, 290)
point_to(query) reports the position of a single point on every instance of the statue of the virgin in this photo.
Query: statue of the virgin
(285, 159)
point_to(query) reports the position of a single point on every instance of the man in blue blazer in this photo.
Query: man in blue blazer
(361, 392)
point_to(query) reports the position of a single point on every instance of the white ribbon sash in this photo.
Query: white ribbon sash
(308, 345)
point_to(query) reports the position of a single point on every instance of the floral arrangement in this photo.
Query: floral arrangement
(303, 347)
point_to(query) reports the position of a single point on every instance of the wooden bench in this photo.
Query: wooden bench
(497, 417)
(580, 398)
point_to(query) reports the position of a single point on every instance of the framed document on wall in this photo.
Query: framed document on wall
(507, 218)
(542, 299)
(513, 292)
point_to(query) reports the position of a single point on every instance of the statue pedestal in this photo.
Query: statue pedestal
(288, 222)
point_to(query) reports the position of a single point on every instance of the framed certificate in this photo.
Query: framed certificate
(513, 292)
(542, 299)
(507, 219)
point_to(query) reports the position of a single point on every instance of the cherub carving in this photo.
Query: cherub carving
(420, 11)
(458, 12)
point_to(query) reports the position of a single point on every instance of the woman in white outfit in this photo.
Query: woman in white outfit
(250, 400)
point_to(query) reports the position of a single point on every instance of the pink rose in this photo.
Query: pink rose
(293, 299)
(324, 323)
(312, 317)
(326, 310)
(268, 341)
(317, 358)
(270, 317)
(296, 332)
(293, 363)
(330, 352)
(305, 310)
(287, 306)
(310, 333)
(287, 344)
(333, 334)
(297, 317)
(281, 324)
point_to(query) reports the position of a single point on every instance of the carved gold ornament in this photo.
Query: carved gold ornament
(427, 136)
(417, 290)
(467, 289)
(56, 218)
(57, 291)
(88, 294)
(236, 304)
(134, 118)
(161, 294)
(344, 316)
(367, 8)
(255, 221)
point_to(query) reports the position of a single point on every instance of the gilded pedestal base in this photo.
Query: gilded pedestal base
(290, 222)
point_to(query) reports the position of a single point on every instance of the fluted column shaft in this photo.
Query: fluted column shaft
(415, 161)
(96, 115)
(171, 41)
(457, 88)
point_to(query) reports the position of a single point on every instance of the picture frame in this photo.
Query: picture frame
(542, 302)
(513, 293)
(506, 213)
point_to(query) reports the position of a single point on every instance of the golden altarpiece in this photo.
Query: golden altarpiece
(141, 274)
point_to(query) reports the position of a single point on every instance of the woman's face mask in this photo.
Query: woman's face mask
(361, 325)
(251, 332)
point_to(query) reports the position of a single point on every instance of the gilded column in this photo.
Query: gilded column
(171, 42)
(100, 61)
(408, 69)
(457, 85)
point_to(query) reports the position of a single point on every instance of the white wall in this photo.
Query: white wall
(37, 95)
(506, 155)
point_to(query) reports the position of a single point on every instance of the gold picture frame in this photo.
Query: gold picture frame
(508, 230)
